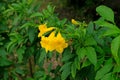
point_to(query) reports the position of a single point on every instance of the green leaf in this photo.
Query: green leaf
(90, 28)
(81, 52)
(42, 55)
(36, 14)
(65, 70)
(77, 63)
(90, 41)
(106, 13)
(73, 70)
(115, 45)
(4, 62)
(20, 52)
(67, 57)
(101, 22)
(108, 76)
(104, 70)
(3, 52)
(111, 32)
(116, 68)
(31, 34)
(91, 55)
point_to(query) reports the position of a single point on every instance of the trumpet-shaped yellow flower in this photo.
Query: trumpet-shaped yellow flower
(59, 43)
(46, 42)
(43, 29)
(53, 42)
(74, 22)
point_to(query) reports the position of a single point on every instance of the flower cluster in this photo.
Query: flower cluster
(51, 42)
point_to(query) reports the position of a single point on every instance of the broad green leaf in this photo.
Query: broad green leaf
(91, 55)
(73, 70)
(111, 32)
(4, 62)
(101, 22)
(65, 70)
(104, 70)
(106, 13)
(115, 45)
(90, 41)
(107, 76)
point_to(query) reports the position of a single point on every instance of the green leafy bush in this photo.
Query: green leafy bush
(91, 52)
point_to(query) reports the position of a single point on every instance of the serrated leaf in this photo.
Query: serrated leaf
(106, 12)
(115, 45)
(91, 55)
(65, 70)
(108, 76)
(104, 70)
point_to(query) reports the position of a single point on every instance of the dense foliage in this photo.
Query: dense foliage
(37, 45)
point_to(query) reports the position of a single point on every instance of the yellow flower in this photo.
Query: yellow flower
(53, 42)
(59, 43)
(74, 22)
(46, 42)
(43, 29)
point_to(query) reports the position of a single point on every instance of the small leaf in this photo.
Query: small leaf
(37, 14)
(73, 70)
(42, 55)
(31, 34)
(20, 53)
(91, 54)
(106, 12)
(4, 62)
(67, 57)
(81, 52)
(90, 28)
(115, 45)
(90, 41)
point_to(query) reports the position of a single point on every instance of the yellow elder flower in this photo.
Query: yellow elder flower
(74, 22)
(43, 29)
(46, 42)
(59, 43)
(51, 42)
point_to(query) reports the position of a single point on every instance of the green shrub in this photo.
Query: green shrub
(91, 52)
